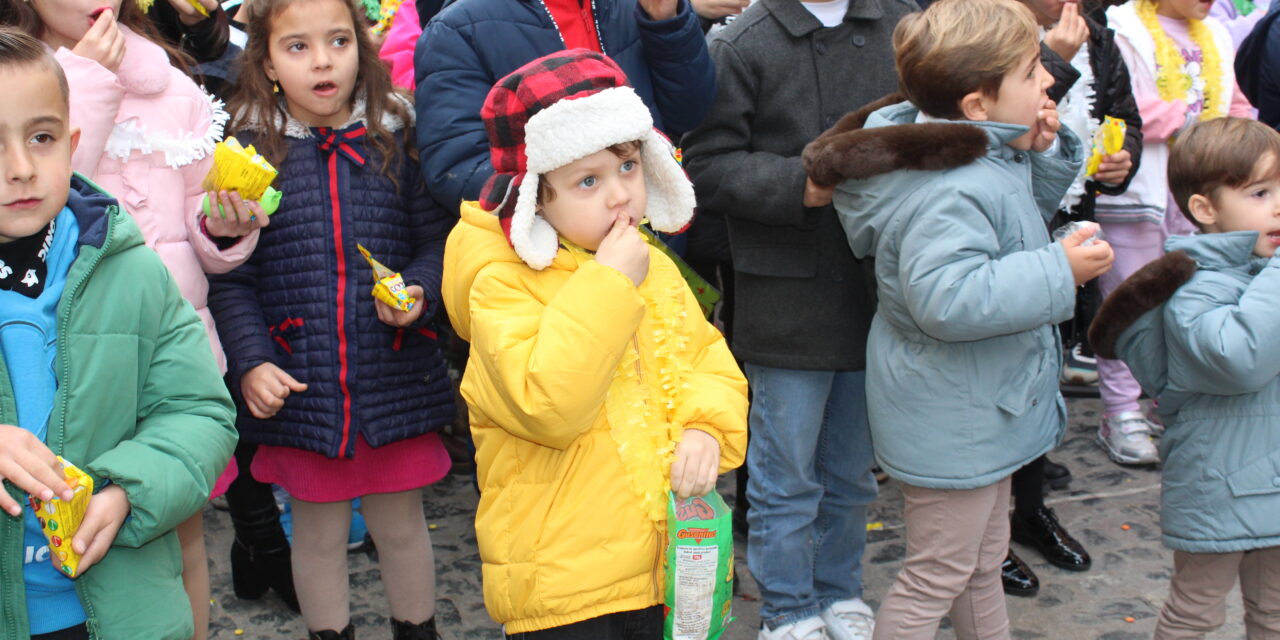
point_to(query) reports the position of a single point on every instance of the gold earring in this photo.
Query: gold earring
(275, 84)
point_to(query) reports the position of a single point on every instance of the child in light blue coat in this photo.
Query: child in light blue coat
(950, 191)
(1198, 329)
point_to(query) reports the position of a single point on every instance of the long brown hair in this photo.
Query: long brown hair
(21, 14)
(254, 99)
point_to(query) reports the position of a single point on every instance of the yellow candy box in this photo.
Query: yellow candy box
(60, 520)
(1108, 139)
(388, 286)
(240, 169)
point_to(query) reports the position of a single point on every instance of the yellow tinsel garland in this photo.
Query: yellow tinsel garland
(1172, 80)
(639, 408)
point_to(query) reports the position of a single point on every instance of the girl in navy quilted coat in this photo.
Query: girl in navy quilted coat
(343, 392)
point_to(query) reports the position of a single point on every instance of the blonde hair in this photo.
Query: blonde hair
(956, 47)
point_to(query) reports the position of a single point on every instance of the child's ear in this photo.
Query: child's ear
(270, 70)
(1201, 208)
(75, 138)
(974, 106)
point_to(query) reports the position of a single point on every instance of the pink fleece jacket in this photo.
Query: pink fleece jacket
(147, 137)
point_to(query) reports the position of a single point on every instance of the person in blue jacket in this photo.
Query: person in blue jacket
(1258, 67)
(1198, 330)
(469, 46)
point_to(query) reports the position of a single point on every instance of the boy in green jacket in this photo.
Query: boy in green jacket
(103, 364)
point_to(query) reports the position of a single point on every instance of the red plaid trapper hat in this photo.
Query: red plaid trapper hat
(558, 109)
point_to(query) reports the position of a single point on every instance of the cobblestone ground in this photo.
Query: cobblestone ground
(1129, 578)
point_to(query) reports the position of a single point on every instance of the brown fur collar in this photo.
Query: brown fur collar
(1148, 288)
(848, 152)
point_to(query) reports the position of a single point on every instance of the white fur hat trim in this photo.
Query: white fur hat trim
(578, 127)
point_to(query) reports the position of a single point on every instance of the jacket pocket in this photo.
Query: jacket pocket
(1260, 477)
(1017, 391)
(775, 251)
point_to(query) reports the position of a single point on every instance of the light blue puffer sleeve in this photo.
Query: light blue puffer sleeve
(1053, 172)
(959, 287)
(1229, 346)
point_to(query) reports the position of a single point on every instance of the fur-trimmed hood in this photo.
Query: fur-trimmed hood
(881, 153)
(293, 128)
(877, 139)
(1131, 324)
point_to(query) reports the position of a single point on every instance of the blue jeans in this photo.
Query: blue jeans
(810, 483)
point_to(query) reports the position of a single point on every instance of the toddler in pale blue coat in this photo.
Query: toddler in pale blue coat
(1198, 329)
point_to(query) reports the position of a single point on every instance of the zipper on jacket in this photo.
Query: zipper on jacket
(64, 322)
(6, 568)
(340, 252)
(64, 371)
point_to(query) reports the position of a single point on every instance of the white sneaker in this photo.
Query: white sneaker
(807, 629)
(1126, 437)
(1078, 368)
(849, 620)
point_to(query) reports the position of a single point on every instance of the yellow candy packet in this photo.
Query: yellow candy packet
(240, 169)
(388, 286)
(1108, 139)
(60, 520)
(199, 7)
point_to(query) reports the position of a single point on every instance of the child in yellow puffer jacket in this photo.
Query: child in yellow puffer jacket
(594, 383)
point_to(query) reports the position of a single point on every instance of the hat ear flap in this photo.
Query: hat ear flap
(670, 193)
(533, 238)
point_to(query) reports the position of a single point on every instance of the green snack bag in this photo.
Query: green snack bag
(699, 568)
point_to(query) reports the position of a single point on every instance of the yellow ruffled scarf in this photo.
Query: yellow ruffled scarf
(1173, 81)
(639, 407)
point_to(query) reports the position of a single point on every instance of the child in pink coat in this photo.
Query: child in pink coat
(147, 137)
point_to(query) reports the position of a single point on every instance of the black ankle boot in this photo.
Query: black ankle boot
(328, 634)
(1055, 475)
(1018, 578)
(1041, 530)
(260, 556)
(401, 630)
(253, 571)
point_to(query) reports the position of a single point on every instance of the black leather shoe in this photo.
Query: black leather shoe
(1018, 578)
(1042, 531)
(1056, 475)
(401, 630)
(328, 634)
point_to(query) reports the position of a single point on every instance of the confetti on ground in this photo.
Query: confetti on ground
(239, 632)
(1124, 527)
(1129, 619)
(432, 527)
(875, 526)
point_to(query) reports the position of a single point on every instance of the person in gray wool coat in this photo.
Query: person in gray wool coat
(785, 72)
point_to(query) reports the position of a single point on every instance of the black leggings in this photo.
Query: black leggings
(1028, 488)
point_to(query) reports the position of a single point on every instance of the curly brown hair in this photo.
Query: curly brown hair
(254, 99)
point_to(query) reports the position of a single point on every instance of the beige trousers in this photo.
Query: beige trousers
(1197, 601)
(956, 541)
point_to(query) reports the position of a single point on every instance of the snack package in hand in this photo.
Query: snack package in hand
(388, 286)
(699, 568)
(60, 520)
(1107, 140)
(1076, 225)
(241, 169)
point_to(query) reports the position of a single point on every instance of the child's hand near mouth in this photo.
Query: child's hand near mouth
(104, 43)
(1047, 125)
